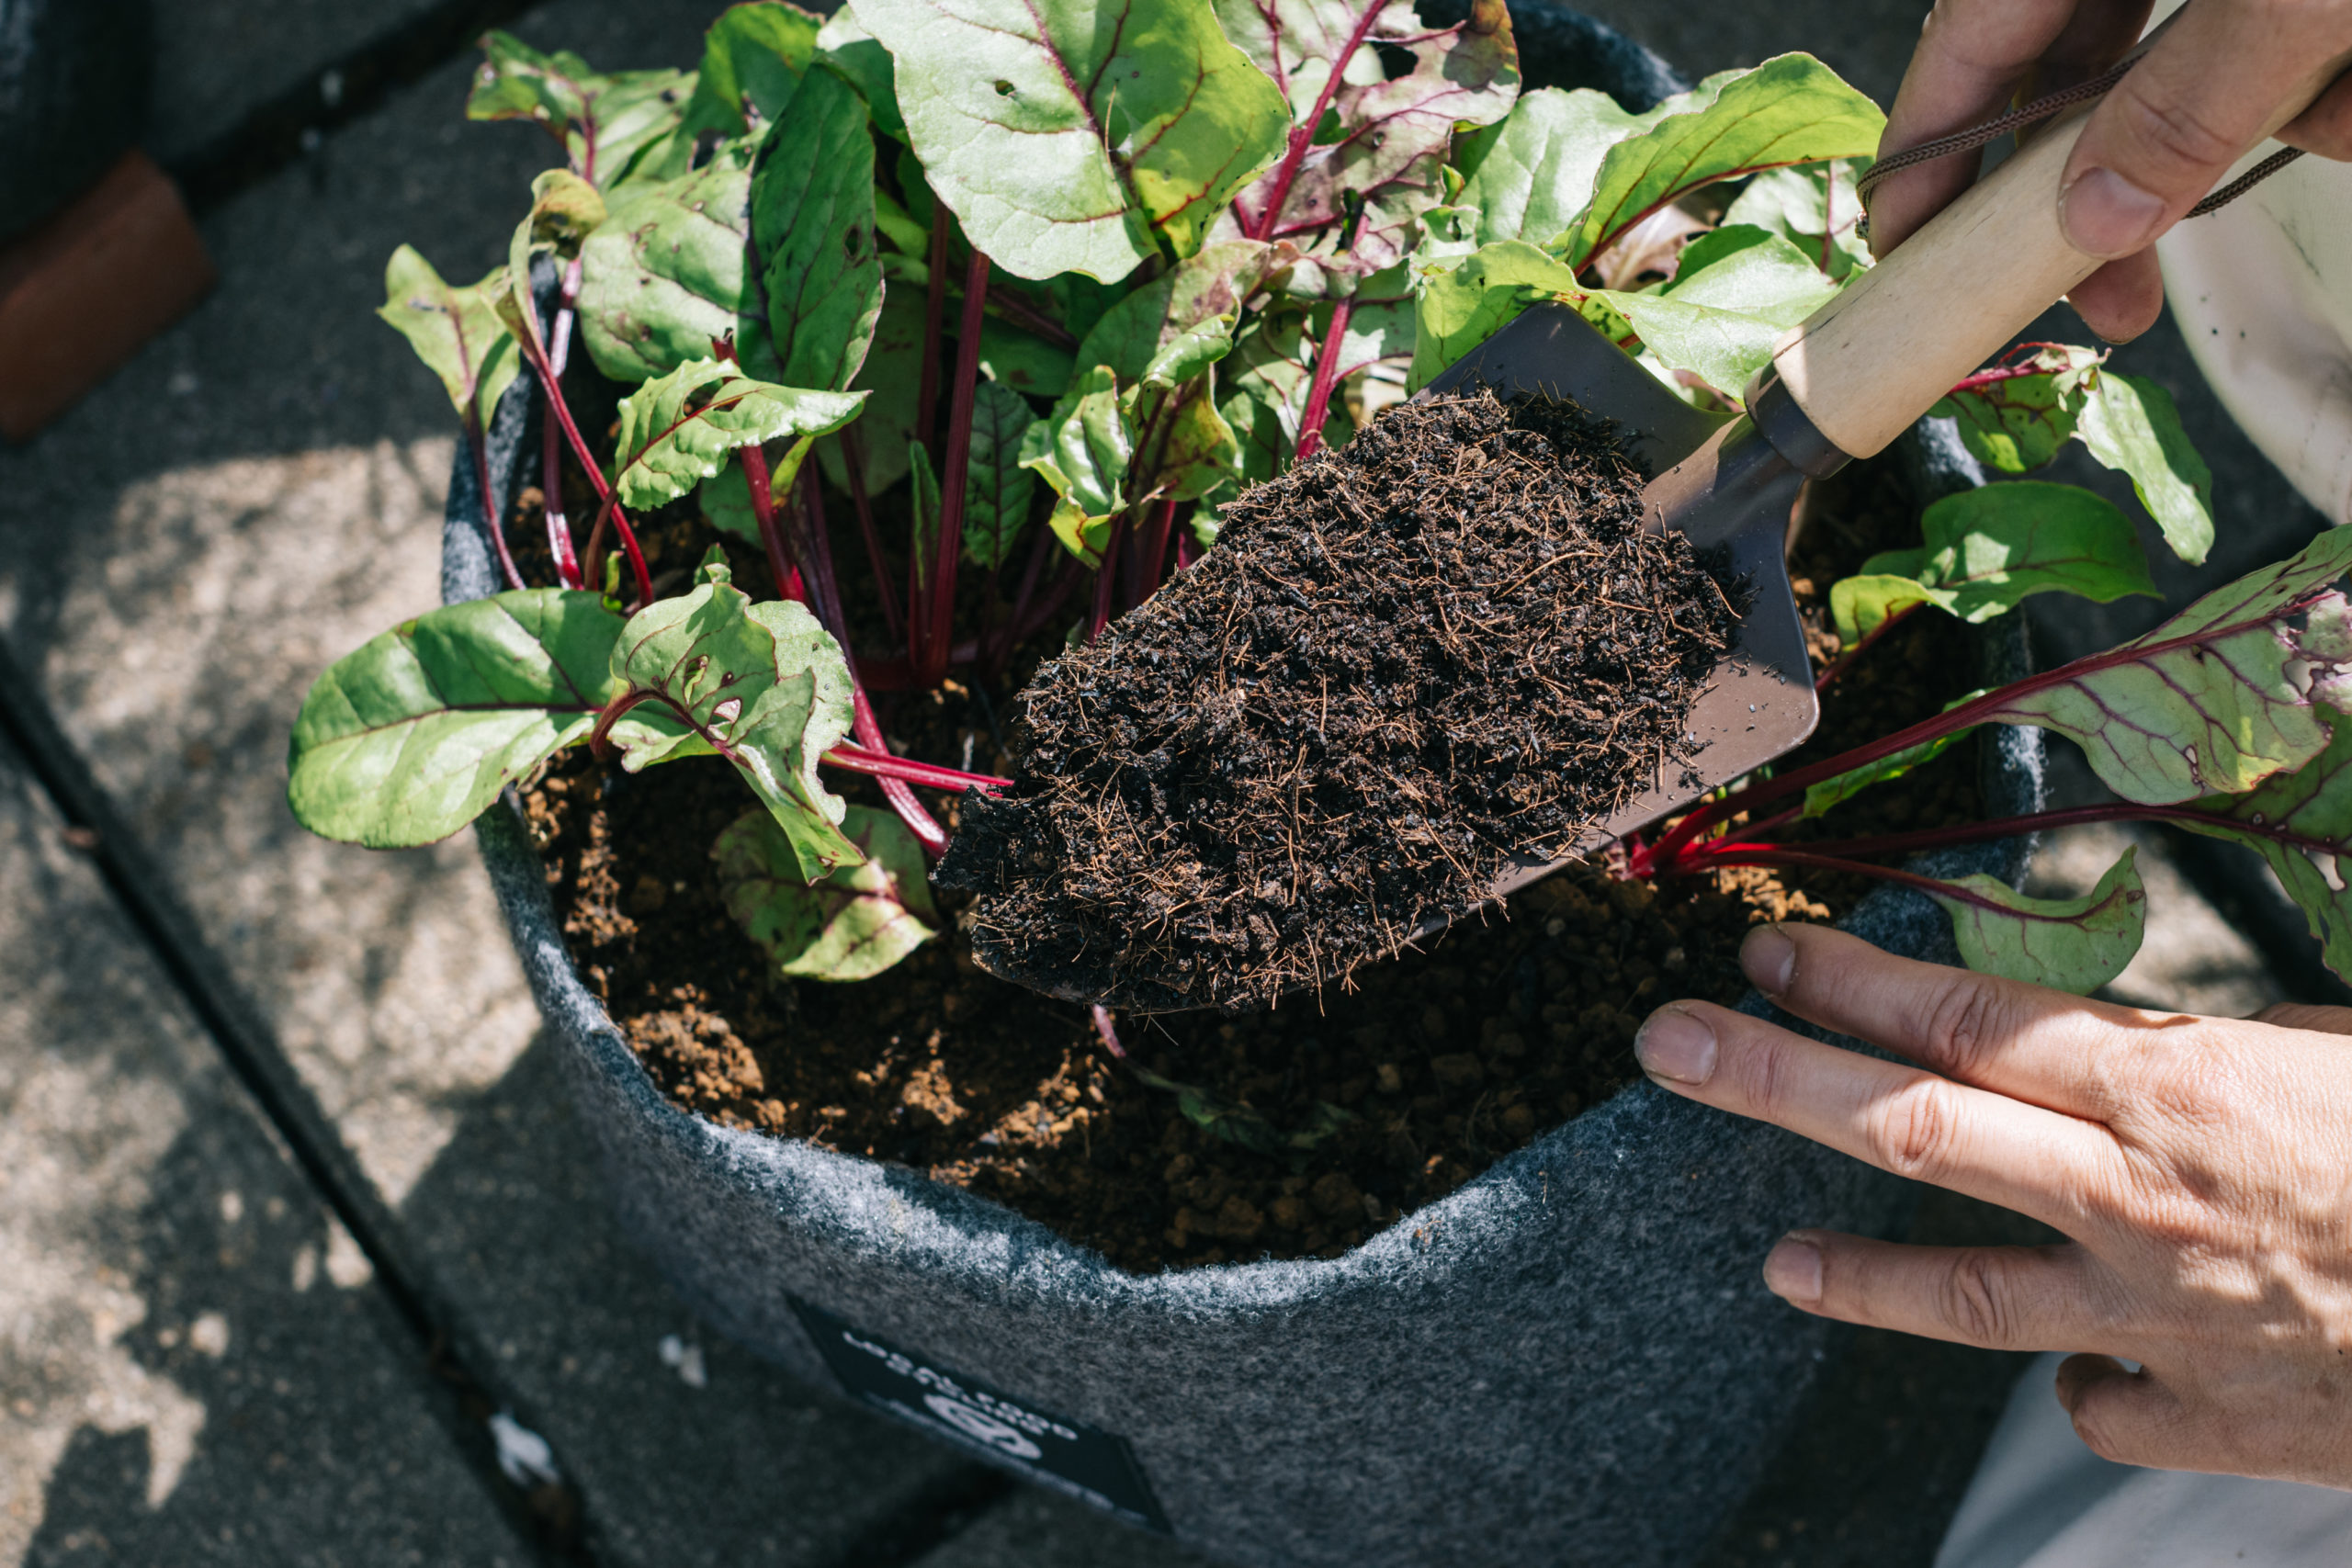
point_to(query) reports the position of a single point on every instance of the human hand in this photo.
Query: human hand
(2201, 1167)
(2157, 143)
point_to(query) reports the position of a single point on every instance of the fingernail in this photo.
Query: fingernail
(2104, 214)
(1794, 1270)
(1769, 959)
(1673, 1045)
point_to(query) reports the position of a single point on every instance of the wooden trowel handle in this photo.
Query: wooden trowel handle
(1877, 357)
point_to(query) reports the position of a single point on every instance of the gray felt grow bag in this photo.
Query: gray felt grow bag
(1571, 1359)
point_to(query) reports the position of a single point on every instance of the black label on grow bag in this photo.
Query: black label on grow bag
(1081, 1461)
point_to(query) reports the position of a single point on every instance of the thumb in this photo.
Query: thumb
(2224, 76)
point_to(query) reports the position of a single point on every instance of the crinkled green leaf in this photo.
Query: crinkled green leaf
(1197, 452)
(854, 923)
(1737, 291)
(2131, 426)
(1084, 454)
(2300, 823)
(565, 210)
(1532, 175)
(1790, 109)
(606, 121)
(1815, 208)
(762, 685)
(812, 219)
(1820, 797)
(1987, 549)
(2017, 423)
(663, 278)
(1149, 321)
(407, 740)
(679, 429)
(457, 332)
(848, 48)
(2067, 944)
(1263, 387)
(1188, 353)
(753, 58)
(1463, 307)
(1383, 142)
(2219, 697)
(1071, 135)
(996, 488)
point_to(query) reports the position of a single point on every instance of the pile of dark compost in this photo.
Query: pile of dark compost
(1405, 662)
(1443, 1059)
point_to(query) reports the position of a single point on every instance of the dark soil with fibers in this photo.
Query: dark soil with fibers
(1405, 662)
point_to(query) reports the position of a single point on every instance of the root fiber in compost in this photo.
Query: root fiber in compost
(1407, 661)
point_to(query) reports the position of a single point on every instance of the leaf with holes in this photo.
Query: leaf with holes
(2131, 426)
(2300, 823)
(457, 332)
(812, 222)
(679, 429)
(763, 685)
(854, 923)
(663, 278)
(606, 120)
(1532, 175)
(2215, 700)
(1073, 135)
(1379, 145)
(997, 488)
(2067, 944)
(407, 740)
(1790, 109)
(1988, 549)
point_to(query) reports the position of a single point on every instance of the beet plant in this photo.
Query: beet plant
(1039, 289)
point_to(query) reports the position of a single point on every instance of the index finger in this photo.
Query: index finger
(2030, 1044)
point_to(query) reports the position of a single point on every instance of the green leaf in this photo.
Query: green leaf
(1072, 135)
(407, 740)
(1150, 320)
(1265, 383)
(1831, 792)
(2067, 944)
(1198, 453)
(2219, 697)
(457, 332)
(2131, 426)
(762, 685)
(891, 378)
(679, 429)
(663, 278)
(1807, 206)
(845, 47)
(997, 488)
(1790, 109)
(1463, 307)
(922, 506)
(856, 923)
(1084, 454)
(753, 58)
(1988, 549)
(1736, 292)
(1188, 353)
(1383, 142)
(812, 219)
(1533, 172)
(1022, 361)
(726, 501)
(1238, 1123)
(606, 121)
(2017, 423)
(2300, 823)
(565, 210)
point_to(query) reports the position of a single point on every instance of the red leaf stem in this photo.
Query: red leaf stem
(606, 502)
(567, 566)
(906, 770)
(1326, 373)
(1302, 137)
(930, 655)
(780, 562)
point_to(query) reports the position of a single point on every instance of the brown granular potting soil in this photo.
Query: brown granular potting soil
(1445, 1059)
(1408, 660)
